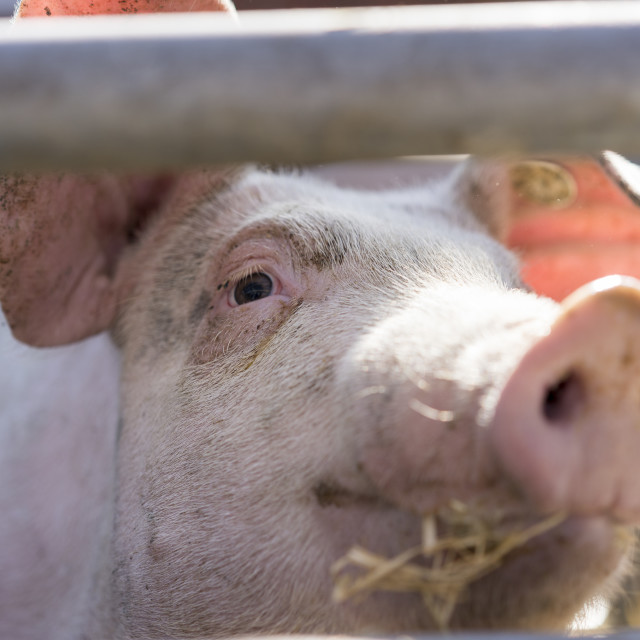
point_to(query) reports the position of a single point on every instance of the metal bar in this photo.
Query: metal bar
(171, 91)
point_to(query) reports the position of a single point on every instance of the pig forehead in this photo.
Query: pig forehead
(326, 214)
(307, 194)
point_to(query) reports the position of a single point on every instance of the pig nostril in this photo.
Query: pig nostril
(562, 399)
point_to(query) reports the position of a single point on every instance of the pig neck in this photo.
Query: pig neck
(58, 432)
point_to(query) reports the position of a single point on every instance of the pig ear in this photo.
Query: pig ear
(41, 8)
(574, 220)
(570, 220)
(66, 254)
(60, 239)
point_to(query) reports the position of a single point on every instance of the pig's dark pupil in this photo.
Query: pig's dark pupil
(252, 288)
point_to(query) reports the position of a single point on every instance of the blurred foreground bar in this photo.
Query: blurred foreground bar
(176, 90)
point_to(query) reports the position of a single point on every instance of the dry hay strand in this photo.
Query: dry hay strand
(472, 548)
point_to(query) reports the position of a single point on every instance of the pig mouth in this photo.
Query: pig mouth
(459, 549)
(329, 493)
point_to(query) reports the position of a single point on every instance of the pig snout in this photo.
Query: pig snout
(528, 411)
(566, 428)
(543, 415)
(429, 380)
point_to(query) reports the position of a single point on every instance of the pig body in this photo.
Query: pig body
(303, 368)
(58, 423)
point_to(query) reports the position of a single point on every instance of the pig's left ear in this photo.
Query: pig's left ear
(61, 239)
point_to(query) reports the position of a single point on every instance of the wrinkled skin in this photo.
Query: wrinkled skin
(251, 445)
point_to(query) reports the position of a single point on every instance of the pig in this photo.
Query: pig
(58, 419)
(292, 368)
(303, 367)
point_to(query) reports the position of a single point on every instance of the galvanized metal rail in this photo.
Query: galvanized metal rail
(178, 90)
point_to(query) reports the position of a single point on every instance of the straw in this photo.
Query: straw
(471, 549)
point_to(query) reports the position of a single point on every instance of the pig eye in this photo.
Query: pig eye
(251, 288)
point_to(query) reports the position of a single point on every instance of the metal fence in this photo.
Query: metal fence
(165, 91)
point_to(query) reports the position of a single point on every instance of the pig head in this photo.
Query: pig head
(304, 368)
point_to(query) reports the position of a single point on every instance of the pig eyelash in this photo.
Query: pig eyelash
(245, 273)
(233, 280)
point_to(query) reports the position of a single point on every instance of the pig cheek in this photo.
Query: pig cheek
(405, 454)
(244, 333)
(210, 454)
